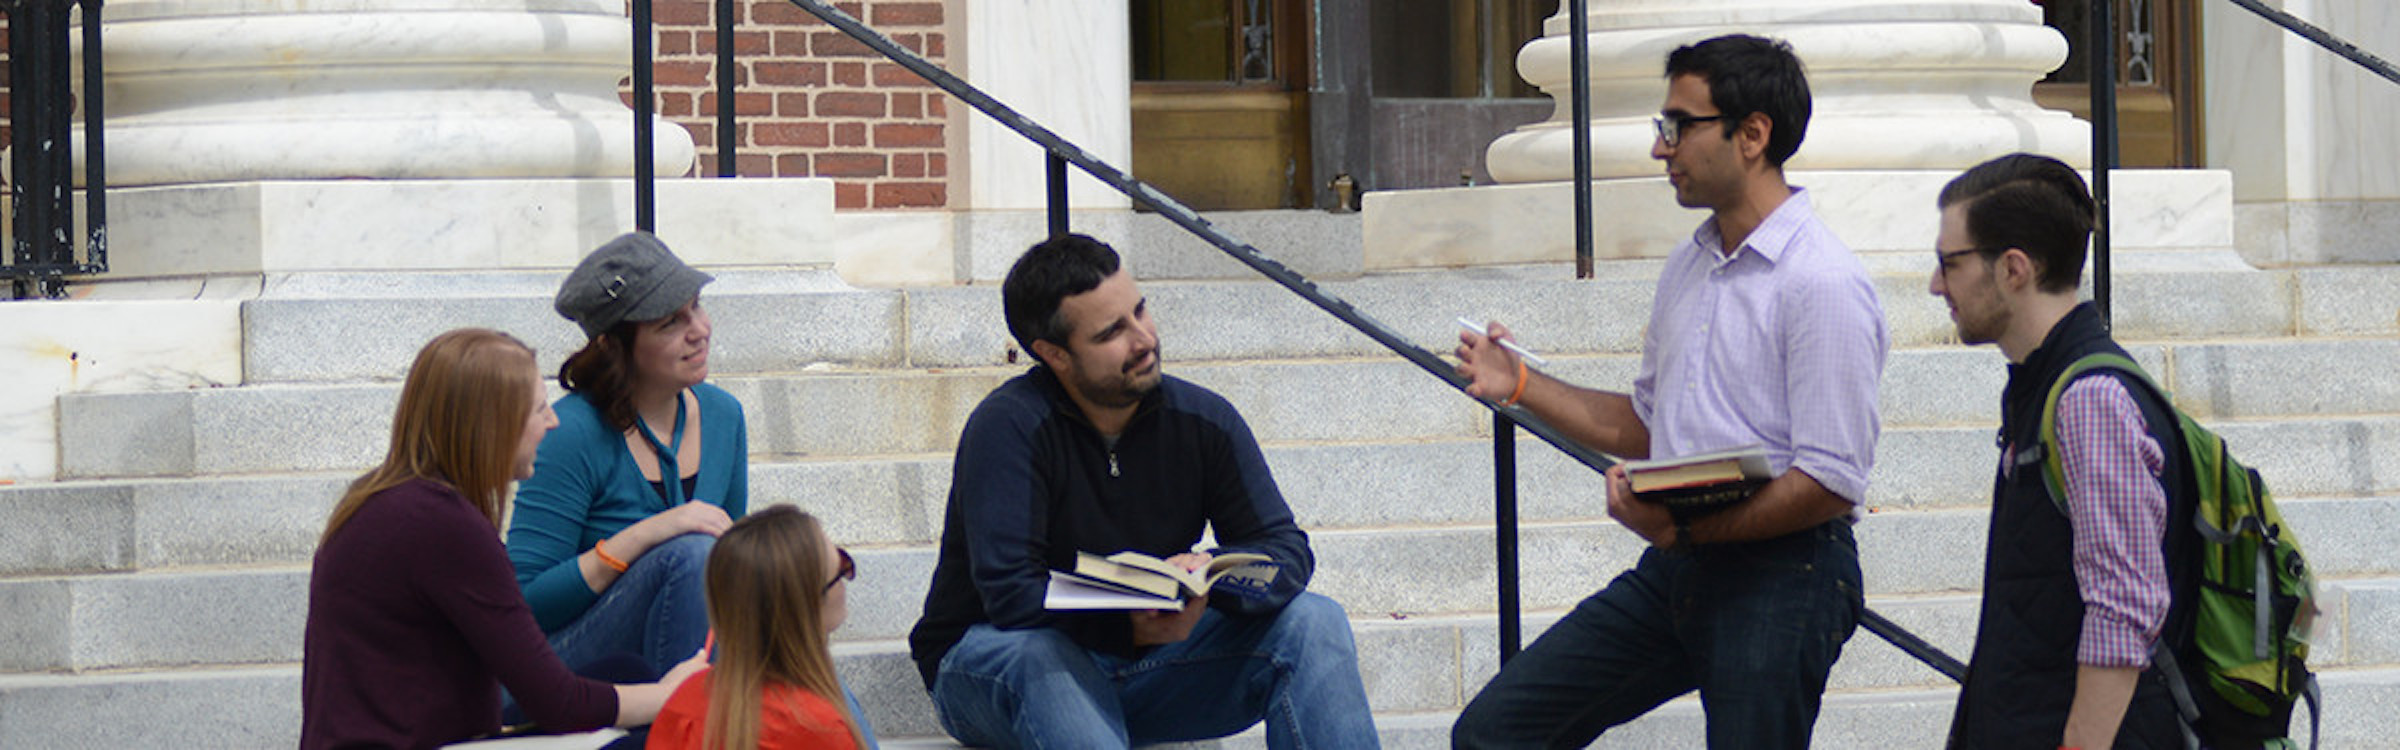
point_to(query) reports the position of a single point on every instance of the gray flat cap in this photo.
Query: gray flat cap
(633, 277)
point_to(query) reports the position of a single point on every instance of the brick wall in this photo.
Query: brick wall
(809, 101)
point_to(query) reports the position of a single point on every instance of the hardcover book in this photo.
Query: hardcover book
(1132, 580)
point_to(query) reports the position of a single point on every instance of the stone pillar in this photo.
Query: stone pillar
(1922, 84)
(212, 91)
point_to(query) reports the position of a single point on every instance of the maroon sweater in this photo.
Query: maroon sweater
(415, 621)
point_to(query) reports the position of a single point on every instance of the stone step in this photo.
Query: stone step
(124, 525)
(255, 614)
(259, 706)
(105, 525)
(305, 330)
(317, 427)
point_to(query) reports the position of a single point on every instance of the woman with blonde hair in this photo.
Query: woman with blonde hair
(776, 592)
(414, 619)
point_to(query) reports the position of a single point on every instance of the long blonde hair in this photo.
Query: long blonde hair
(461, 413)
(766, 598)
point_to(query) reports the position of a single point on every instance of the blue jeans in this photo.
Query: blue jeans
(1753, 626)
(1035, 688)
(657, 610)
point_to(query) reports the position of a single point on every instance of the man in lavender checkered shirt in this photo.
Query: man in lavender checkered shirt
(2072, 603)
(1764, 331)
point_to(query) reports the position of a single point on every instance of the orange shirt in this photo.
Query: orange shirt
(816, 724)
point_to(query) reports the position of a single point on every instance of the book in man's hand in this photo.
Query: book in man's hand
(1132, 580)
(1702, 483)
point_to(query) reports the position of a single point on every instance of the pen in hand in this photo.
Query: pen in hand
(1510, 345)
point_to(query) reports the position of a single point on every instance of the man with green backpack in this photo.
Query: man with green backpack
(2140, 589)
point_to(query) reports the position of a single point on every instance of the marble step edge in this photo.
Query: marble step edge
(88, 526)
(200, 708)
(255, 613)
(959, 326)
(325, 427)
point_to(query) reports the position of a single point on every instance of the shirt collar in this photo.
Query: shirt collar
(1769, 241)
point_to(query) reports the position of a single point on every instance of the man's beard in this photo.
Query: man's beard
(1127, 387)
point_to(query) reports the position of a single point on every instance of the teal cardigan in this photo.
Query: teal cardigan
(585, 487)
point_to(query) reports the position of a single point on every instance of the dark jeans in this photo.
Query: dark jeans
(657, 609)
(1753, 626)
(1034, 688)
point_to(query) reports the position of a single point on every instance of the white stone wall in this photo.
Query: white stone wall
(1068, 65)
(2305, 132)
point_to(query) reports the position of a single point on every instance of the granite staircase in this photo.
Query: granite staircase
(154, 595)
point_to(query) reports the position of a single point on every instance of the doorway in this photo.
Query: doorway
(2158, 77)
(1220, 101)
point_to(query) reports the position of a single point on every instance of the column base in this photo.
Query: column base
(1876, 212)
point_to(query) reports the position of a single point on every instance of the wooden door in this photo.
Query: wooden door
(2158, 77)
(1220, 102)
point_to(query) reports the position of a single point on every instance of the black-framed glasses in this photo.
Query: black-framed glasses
(1942, 258)
(1671, 127)
(848, 570)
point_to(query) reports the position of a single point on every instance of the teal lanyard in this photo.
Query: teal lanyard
(670, 476)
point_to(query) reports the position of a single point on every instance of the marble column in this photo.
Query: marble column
(1922, 84)
(213, 91)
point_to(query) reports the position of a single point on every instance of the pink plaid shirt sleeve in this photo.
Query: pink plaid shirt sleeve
(2119, 513)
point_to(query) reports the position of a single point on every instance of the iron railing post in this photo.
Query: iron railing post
(1055, 167)
(645, 179)
(41, 156)
(1580, 48)
(2104, 142)
(725, 75)
(1504, 530)
(95, 150)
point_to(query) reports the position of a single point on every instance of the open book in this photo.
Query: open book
(1132, 580)
(1702, 482)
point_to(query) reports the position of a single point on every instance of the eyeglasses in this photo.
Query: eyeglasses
(1941, 259)
(847, 572)
(1671, 127)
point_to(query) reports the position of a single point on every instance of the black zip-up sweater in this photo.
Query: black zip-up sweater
(1033, 483)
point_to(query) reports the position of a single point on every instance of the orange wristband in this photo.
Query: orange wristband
(600, 548)
(1520, 391)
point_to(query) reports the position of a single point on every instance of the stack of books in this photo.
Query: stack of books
(1701, 483)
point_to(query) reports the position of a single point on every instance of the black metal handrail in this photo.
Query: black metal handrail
(2103, 62)
(1505, 419)
(42, 186)
(2323, 38)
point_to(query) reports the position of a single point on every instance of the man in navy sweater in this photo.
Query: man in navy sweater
(1095, 450)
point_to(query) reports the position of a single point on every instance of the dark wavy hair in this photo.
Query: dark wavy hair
(603, 372)
(1748, 74)
(2033, 203)
(1058, 268)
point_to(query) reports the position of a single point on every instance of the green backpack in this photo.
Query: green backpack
(2256, 598)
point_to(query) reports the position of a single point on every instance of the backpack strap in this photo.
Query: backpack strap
(2181, 691)
(2054, 464)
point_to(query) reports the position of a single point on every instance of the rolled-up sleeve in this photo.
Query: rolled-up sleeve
(2119, 514)
(1833, 353)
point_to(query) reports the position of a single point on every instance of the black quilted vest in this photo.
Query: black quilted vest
(2021, 679)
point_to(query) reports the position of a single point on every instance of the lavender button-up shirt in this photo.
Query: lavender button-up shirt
(1780, 344)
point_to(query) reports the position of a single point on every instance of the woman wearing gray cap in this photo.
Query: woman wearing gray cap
(648, 464)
